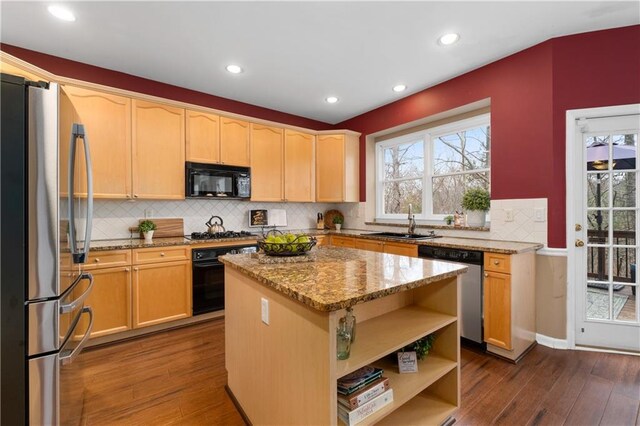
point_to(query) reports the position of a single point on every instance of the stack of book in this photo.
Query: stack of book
(362, 393)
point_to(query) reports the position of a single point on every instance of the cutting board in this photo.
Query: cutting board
(169, 227)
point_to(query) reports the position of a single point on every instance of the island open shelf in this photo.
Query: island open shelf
(286, 371)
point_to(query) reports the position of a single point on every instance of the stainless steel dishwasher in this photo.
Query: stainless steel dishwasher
(471, 320)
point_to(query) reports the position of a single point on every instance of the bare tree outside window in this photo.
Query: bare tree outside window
(403, 172)
(460, 162)
(431, 171)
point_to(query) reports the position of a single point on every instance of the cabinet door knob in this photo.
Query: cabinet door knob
(486, 274)
(135, 269)
(126, 269)
(496, 262)
(96, 260)
(162, 254)
(128, 196)
(135, 195)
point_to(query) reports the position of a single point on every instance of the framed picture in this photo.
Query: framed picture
(258, 218)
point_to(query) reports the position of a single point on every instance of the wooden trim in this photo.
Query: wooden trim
(237, 405)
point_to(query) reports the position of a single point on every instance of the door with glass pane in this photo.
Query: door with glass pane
(606, 246)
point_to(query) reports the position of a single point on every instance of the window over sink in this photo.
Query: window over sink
(431, 169)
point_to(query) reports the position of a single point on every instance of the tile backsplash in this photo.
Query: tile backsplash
(113, 218)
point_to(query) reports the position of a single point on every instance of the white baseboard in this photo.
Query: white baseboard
(551, 342)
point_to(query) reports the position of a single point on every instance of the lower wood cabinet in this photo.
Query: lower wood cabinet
(340, 241)
(110, 300)
(509, 303)
(497, 309)
(322, 240)
(161, 293)
(370, 245)
(401, 249)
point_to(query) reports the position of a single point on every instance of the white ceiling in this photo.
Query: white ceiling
(295, 54)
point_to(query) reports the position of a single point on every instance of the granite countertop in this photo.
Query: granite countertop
(134, 243)
(496, 246)
(343, 277)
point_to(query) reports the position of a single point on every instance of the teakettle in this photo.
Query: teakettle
(215, 227)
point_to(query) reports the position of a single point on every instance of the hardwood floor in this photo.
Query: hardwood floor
(177, 378)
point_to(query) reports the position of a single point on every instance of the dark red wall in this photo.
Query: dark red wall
(93, 74)
(530, 92)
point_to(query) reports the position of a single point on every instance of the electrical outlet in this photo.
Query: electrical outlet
(539, 214)
(265, 311)
(148, 213)
(508, 215)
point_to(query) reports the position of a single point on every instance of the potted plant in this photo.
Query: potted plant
(448, 219)
(476, 202)
(421, 346)
(338, 221)
(147, 227)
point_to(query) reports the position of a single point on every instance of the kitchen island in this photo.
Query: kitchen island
(280, 334)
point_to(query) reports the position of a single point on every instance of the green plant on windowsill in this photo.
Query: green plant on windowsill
(421, 346)
(448, 219)
(146, 226)
(476, 199)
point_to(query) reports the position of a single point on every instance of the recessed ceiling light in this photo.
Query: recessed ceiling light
(61, 13)
(399, 88)
(331, 99)
(448, 39)
(234, 69)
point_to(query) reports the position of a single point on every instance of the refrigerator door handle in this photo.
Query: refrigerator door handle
(66, 355)
(72, 306)
(77, 132)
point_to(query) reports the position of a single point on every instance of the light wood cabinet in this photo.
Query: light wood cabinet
(322, 240)
(161, 293)
(203, 137)
(267, 163)
(161, 254)
(509, 303)
(158, 151)
(497, 309)
(234, 142)
(299, 170)
(14, 70)
(401, 249)
(107, 123)
(337, 168)
(371, 245)
(110, 300)
(339, 241)
(107, 259)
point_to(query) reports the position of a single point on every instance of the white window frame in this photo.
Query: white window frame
(427, 136)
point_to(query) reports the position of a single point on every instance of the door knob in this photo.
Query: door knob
(579, 243)
(578, 227)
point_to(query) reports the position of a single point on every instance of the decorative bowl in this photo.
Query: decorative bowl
(293, 248)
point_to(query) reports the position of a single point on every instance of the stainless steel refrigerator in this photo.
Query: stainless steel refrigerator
(45, 225)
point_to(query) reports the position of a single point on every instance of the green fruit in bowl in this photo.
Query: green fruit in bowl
(304, 239)
(290, 238)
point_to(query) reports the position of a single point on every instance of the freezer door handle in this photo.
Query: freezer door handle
(77, 132)
(73, 305)
(68, 355)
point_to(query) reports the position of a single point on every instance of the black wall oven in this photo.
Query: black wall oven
(208, 276)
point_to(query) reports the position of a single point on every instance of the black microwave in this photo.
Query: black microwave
(217, 181)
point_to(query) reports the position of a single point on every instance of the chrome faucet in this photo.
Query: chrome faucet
(412, 222)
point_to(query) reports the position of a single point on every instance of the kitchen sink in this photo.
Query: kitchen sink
(402, 235)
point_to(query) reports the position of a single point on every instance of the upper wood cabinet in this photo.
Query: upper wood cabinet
(107, 123)
(299, 171)
(158, 151)
(203, 137)
(234, 142)
(267, 148)
(14, 70)
(337, 168)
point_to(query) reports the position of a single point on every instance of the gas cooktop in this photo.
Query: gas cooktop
(216, 235)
